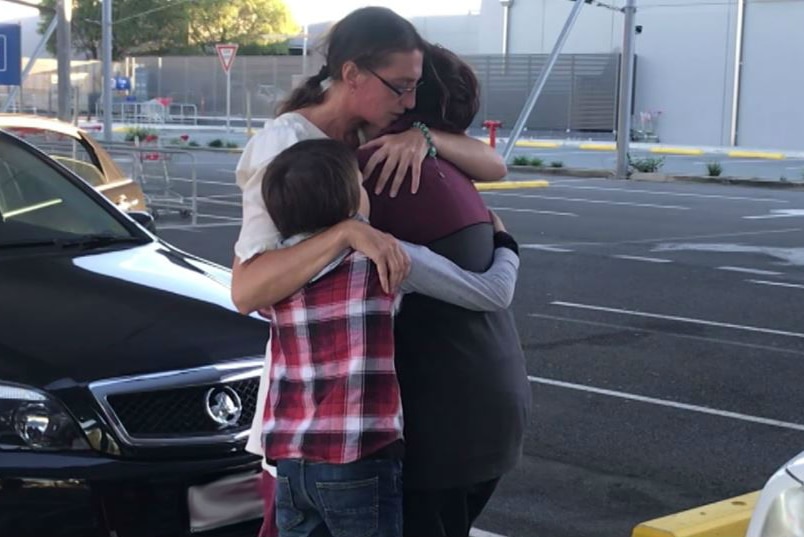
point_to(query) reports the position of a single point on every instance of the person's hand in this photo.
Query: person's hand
(393, 263)
(499, 225)
(401, 152)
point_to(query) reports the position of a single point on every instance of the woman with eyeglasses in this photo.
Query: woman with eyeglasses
(374, 62)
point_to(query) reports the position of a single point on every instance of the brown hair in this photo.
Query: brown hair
(367, 37)
(449, 98)
(310, 186)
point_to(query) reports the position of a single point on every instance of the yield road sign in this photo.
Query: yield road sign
(226, 54)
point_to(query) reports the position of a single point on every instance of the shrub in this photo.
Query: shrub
(142, 133)
(646, 165)
(714, 169)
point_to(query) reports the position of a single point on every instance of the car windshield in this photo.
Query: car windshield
(40, 206)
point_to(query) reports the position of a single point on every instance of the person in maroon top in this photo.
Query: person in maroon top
(465, 392)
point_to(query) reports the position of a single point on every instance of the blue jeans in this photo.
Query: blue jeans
(359, 499)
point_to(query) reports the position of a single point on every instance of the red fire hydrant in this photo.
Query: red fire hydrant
(492, 126)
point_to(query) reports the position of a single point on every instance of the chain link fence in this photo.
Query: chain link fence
(580, 95)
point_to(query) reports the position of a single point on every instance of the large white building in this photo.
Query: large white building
(687, 53)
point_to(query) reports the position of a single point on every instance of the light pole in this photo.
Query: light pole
(626, 90)
(106, 39)
(506, 5)
(64, 14)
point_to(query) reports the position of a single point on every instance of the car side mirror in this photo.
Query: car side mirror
(144, 219)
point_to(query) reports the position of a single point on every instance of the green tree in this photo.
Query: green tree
(156, 26)
(258, 22)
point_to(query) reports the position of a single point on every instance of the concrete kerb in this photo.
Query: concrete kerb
(662, 149)
(658, 177)
(727, 518)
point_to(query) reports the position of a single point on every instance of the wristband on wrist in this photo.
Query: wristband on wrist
(431, 148)
(505, 240)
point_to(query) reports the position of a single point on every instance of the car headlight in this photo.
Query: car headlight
(786, 515)
(30, 420)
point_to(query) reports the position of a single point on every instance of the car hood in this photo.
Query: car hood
(119, 312)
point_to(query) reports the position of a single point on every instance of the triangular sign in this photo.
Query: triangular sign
(226, 54)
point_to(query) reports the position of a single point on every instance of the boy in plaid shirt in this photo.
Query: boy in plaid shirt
(333, 415)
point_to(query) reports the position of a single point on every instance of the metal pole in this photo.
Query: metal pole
(228, 99)
(106, 39)
(537, 89)
(738, 73)
(249, 132)
(31, 62)
(506, 4)
(304, 49)
(64, 9)
(626, 90)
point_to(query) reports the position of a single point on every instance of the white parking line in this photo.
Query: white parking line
(219, 196)
(688, 238)
(545, 248)
(670, 404)
(666, 333)
(645, 259)
(218, 217)
(209, 200)
(777, 284)
(778, 213)
(746, 270)
(594, 202)
(190, 227)
(200, 182)
(532, 211)
(664, 193)
(679, 319)
(480, 533)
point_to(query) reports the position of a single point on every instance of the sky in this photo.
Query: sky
(310, 11)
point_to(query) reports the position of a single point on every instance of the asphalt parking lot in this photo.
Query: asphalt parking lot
(662, 324)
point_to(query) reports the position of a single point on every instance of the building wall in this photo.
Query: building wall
(457, 33)
(771, 105)
(686, 61)
(686, 66)
(685, 55)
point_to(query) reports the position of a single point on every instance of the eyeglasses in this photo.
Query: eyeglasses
(399, 92)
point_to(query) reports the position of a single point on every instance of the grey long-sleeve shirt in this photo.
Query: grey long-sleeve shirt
(436, 276)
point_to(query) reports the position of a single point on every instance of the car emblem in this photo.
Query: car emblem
(223, 406)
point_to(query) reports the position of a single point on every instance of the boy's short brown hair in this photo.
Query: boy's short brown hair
(311, 185)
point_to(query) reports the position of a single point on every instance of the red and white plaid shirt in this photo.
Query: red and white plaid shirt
(333, 391)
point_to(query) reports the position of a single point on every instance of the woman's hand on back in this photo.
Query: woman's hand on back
(393, 263)
(398, 154)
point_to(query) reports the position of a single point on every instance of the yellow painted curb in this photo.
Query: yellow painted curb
(541, 145)
(756, 154)
(511, 185)
(531, 144)
(727, 518)
(676, 151)
(598, 147)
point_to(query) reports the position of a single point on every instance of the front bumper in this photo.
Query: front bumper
(86, 495)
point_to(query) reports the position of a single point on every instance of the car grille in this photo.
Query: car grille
(179, 411)
(174, 408)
